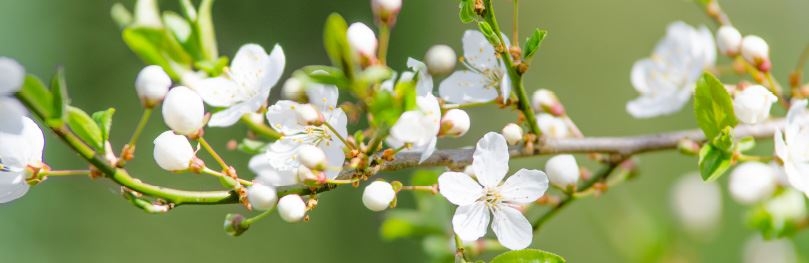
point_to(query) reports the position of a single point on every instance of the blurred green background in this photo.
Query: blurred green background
(586, 59)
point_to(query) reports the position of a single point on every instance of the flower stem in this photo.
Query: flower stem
(261, 128)
(460, 250)
(336, 134)
(64, 173)
(250, 221)
(515, 22)
(213, 153)
(468, 105)
(384, 41)
(208, 171)
(423, 188)
(144, 119)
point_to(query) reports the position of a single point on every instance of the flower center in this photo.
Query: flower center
(492, 196)
(313, 135)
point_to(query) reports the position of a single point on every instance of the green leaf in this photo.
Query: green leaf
(180, 28)
(325, 75)
(251, 146)
(60, 99)
(188, 10)
(488, 32)
(375, 74)
(85, 127)
(213, 68)
(41, 100)
(533, 42)
(467, 12)
(713, 106)
(205, 30)
(104, 121)
(336, 43)
(155, 46)
(713, 162)
(528, 256)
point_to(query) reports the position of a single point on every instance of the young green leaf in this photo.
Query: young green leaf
(39, 99)
(180, 28)
(467, 12)
(713, 162)
(533, 42)
(60, 98)
(713, 106)
(488, 32)
(156, 46)
(104, 121)
(335, 42)
(85, 127)
(205, 30)
(528, 256)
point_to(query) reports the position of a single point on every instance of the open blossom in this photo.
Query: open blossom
(667, 78)
(21, 144)
(279, 165)
(244, 87)
(484, 194)
(485, 77)
(792, 146)
(12, 75)
(752, 105)
(418, 127)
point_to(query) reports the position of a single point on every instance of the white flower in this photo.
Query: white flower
(183, 111)
(12, 76)
(455, 123)
(378, 195)
(697, 204)
(362, 39)
(312, 157)
(758, 250)
(792, 146)
(152, 84)
(728, 40)
(21, 144)
(563, 171)
(552, 127)
(440, 59)
(752, 105)
(752, 182)
(278, 166)
(485, 75)
(244, 87)
(418, 127)
(667, 78)
(513, 133)
(262, 197)
(789, 206)
(477, 199)
(291, 208)
(755, 50)
(293, 89)
(173, 152)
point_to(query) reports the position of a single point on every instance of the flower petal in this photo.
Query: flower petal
(470, 221)
(21, 139)
(335, 157)
(490, 160)
(465, 86)
(274, 67)
(218, 92)
(323, 96)
(424, 85)
(524, 187)
(230, 116)
(267, 174)
(512, 229)
(428, 149)
(408, 129)
(12, 75)
(281, 117)
(459, 188)
(478, 52)
(12, 186)
(505, 86)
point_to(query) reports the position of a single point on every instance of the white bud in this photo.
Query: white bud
(173, 152)
(562, 170)
(152, 84)
(183, 111)
(751, 182)
(752, 105)
(728, 40)
(293, 89)
(307, 114)
(312, 157)
(551, 126)
(755, 50)
(788, 206)
(378, 195)
(291, 208)
(362, 39)
(455, 123)
(513, 133)
(697, 204)
(262, 197)
(440, 60)
(546, 101)
(385, 11)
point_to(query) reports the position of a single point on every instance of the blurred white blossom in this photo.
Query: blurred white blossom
(485, 77)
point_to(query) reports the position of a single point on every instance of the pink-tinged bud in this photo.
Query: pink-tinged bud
(385, 11)
(362, 40)
(756, 51)
(312, 157)
(546, 100)
(728, 40)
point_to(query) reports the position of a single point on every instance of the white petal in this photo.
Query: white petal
(323, 96)
(12, 186)
(335, 157)
(217, 92)
(424, 85)
(21, 141)
(505, 86)
(459, 188)
(281, 117)
(478, 52)
(428, 149)
(248, 65)
(663, 102)
(470, 221)
(524, 187)
(230, 116)
(267, 174)
(512, 229)
(12, 75)
(490, 160)
(409, 128)
(339, 121)
(465, 86)
(275, 67)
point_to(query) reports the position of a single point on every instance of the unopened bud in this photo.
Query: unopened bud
(262, 197)
(440, 60)
(173, 152)
(307, 114)
(233, 225)
(513, 133)
(378, 195)
(728, 40)
(563, 171)
(183, 111)
(386, 11)
(551, 126)
(312, 157)
(362, 39)
(294, 90)
(756, 51)
(455, 123)
(152, 84)
(751, 182)
(291, 208)
(546, 100)
(753, 104)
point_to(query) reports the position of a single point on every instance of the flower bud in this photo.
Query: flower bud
(697, 204)
(293, 89)
(546, 100)
(308, 115)
(386, 11)
(152, 84)
(173, 152)
(312, 157)
(455, 123)
(291, 208)
(307, 176)
(513, 133)
(378, 195)
(756, 51)
(728, 40)
(563, 171)
(752, 105)
(789, 206)
(751, 182)
(440, 60)
(183, 111)
(362, 39)
(262, 197)
(551, 126)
